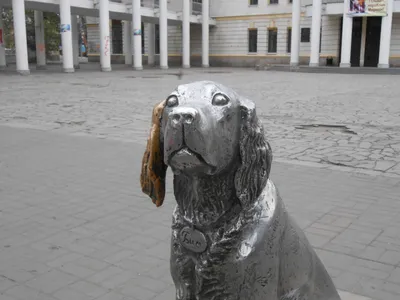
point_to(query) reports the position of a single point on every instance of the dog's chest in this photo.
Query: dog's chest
(240, 259)
(227, 268)
(212, 263)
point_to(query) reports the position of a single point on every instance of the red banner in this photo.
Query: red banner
(1, 36)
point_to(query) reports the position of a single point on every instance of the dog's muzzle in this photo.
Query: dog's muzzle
(184, 140)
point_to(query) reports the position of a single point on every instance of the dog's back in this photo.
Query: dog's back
(301, 273)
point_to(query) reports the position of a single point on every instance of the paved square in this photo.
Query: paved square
(75, 225)
(358, 114)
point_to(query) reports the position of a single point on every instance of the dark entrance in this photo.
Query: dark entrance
(372, 41)
(340, 41)
(355, 54)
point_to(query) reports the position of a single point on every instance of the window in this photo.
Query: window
(305, 35)
(197, 7)
(253, 2)
(289, 40)
(253, 40)
(272, 40)
(273, 1)
(157, 37)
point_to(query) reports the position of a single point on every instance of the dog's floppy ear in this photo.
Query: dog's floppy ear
(152, 177)
(255, 155)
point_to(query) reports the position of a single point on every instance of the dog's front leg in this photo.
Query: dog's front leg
(182, 271)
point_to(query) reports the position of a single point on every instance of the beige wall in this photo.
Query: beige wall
(229, 38)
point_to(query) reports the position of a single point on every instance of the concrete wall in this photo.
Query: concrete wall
(395, 41)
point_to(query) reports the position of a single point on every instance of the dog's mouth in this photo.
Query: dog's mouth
(187, 159)
(187, 151)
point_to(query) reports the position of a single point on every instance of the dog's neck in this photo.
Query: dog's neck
(203, 200)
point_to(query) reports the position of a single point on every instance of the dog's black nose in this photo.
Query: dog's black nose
(183, 115)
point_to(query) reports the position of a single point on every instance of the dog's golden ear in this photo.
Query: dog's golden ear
(152, 177)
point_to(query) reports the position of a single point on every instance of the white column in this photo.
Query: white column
(363, 40)
(105, 47)
(137, 35)
(163, 34)
(151, 44)
(3, 63)
(315, 33)
(21, 47)
(205, 33)
(295, 42)
(40, 43)
(75, 40)
(386, 36)
(66, 36)
(127, 42)
(186, 33)
(347, 32)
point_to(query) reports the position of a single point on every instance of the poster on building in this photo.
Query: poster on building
(1, 36)
(65, 28)
(371, 8)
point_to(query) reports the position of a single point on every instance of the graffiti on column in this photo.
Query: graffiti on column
(41, 47)
(137, 32)
(107, 45)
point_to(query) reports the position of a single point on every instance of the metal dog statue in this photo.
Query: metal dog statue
(232, 237)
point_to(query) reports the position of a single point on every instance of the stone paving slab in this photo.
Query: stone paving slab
(75, 225)
(359, 115)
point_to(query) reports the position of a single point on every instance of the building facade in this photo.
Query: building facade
(259, 32)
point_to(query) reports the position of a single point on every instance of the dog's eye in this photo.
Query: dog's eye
(220, 100)
(172, 101)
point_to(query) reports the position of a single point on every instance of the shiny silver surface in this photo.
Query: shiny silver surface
(232, 237)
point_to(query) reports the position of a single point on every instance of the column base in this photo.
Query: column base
(294, 64)
(68, 70)
(77, 67)
(164, 67)
(186, 66)
(138, 68)
(106, 69)
(383, 66)
(345, 65)
(41, 67)
(23, 72)
(205, 66)
(313, 65)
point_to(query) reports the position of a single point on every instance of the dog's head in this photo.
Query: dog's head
(202, 129)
